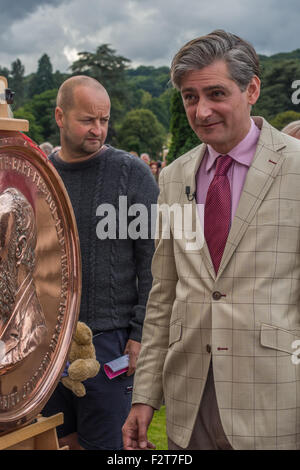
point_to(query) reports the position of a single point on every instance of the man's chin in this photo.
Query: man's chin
(91, 148)
(211, 135)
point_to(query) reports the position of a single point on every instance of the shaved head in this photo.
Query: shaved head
(65, 95)
(82, 115)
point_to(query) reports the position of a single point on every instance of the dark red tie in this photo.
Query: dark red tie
(217, 211)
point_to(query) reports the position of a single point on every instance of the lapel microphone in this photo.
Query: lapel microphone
(188, 193)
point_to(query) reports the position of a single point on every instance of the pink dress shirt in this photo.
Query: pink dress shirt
(242, 155)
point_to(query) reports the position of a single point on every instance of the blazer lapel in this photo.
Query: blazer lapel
(264, 168)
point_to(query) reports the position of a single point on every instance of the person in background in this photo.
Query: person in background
(164, 160)
(47, 148)
(154, 169)
(293, 129)
(145, 157)
(116, 269)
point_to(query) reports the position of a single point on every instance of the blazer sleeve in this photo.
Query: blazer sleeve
(148, 387)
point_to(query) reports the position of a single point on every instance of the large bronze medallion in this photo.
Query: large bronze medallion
(40, 279)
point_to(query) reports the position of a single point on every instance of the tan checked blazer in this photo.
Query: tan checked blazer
(249, 331)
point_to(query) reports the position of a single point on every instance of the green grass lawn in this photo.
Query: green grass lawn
(157, 430)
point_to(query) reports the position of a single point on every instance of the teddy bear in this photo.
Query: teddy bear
(82, 360)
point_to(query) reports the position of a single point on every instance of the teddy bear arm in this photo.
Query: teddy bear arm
(83, 369)
(76, 387)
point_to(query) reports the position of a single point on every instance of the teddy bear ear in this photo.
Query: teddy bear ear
(83, 334)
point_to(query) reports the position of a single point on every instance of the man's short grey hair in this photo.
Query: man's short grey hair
(239, 55)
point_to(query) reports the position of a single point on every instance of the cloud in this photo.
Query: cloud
(12, 11)
(148, 32)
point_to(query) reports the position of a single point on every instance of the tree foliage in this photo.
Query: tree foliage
(16, 82)
(161, 107)
(183, 137)
(4, 71)
(42, 80)
(142, 88)
(140, 131)
(128, 89)
(151, 79)
(109, 69)
(106, 67)
(276, 92)
(40, 113)
(283, 119)
(35, 130)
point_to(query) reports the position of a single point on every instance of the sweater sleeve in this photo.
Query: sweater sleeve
(143, 207)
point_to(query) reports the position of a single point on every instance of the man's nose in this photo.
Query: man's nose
(96, 128)
(203, 110)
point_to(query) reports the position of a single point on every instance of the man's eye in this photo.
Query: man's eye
(189, 98)
(217, 94)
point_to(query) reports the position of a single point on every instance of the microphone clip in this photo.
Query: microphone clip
(188, 194)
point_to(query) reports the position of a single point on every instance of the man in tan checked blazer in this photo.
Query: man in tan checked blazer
(221, 349)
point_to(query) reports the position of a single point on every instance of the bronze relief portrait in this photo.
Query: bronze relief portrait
(22, 321)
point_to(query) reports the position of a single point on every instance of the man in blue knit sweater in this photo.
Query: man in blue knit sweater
(116, 262)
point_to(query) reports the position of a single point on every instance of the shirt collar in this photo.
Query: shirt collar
(242, 153)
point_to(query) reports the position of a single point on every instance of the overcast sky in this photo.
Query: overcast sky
(147, 32)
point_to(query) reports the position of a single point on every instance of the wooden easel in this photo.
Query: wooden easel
(8, 123)
(40, 435)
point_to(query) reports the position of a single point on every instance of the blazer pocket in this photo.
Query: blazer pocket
(175, 332)
(278, 338)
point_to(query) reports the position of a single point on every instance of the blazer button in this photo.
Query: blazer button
(216, 295)
(208, 348)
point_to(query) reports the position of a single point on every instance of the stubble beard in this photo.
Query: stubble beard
(83, 149)
(90, 149)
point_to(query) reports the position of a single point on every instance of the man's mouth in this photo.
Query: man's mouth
(207, 126)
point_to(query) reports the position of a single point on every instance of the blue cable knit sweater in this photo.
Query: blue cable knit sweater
(116, 273)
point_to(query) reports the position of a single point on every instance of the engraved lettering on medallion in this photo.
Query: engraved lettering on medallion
(9, 401)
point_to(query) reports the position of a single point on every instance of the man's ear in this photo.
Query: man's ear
(20, 249)
(59, 115)
(253, 90)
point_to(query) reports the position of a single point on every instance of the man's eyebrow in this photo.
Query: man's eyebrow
(214, 87)
(191, 89)
(208, 88)
(92, 116)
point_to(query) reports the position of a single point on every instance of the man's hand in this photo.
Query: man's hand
(136, 426)
(133, 350)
